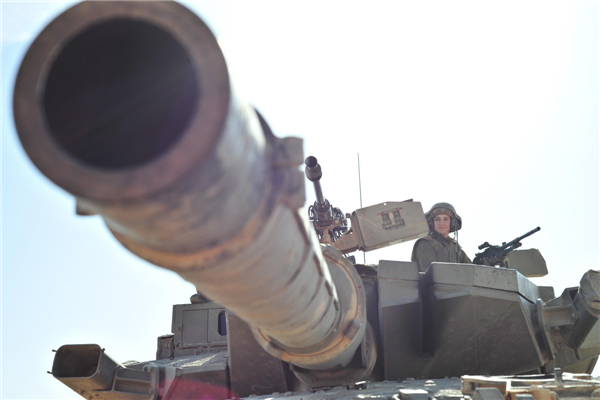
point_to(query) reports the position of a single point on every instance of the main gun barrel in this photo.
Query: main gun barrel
(129, 107)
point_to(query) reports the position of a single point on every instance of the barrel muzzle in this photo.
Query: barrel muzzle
(313, 169)
(129, 107)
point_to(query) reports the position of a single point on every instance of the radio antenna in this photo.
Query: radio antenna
(360, 195)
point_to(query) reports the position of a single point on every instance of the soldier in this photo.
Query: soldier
(438, 246)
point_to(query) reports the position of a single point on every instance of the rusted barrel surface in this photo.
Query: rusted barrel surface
(129, 107)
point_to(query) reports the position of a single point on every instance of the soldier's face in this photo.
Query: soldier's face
(441, 224)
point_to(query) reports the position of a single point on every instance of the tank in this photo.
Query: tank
(130, 108)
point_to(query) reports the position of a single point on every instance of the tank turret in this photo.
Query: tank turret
(129, 107)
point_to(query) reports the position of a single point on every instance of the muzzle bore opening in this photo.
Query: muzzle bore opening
(120, 94)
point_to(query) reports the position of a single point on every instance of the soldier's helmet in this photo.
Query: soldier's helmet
(444, 208)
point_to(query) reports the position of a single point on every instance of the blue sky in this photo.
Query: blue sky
(492, 106)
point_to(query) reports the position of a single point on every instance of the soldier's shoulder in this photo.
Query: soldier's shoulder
(427, 240)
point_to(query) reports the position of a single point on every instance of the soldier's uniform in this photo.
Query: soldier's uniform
(435, 247)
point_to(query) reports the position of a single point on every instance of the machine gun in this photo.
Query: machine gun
(329, 222)
(494, 254)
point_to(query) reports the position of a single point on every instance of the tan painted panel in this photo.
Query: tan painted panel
(389, 223)
(528, 262)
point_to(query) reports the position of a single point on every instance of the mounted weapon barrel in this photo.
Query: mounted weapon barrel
(129, 107)
(314, 174)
